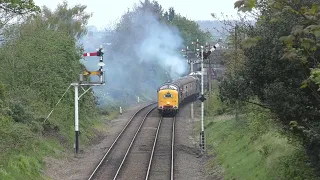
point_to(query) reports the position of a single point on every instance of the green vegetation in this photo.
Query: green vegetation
(273, 64)
(253, 147)
(39, 59)
(190, 29)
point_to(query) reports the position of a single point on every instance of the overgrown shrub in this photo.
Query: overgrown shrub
(38, 63)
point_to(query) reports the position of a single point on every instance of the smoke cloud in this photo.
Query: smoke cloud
(143, 53)
(160, 43)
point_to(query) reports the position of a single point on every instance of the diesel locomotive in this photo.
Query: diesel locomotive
(173, 94)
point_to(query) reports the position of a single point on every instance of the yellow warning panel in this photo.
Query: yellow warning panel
(86, 73)
(96, 73)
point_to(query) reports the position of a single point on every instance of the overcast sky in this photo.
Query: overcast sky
(106, 12)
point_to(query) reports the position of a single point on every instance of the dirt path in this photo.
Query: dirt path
(188, 164)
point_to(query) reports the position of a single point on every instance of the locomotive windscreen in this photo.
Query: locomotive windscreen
(168, 86)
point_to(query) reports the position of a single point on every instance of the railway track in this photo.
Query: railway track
(136, 164)
(148, 154)
(161, 164)
(113, 160)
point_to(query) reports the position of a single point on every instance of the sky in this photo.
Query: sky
(107, 12)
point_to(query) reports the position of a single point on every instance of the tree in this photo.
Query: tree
(38, 63)
(281, 66)
(71, 20)
(19, 7)
(157, 8)
(10, 10)
(171, 14)
(166, 16)
(40, 59)
(190, 30)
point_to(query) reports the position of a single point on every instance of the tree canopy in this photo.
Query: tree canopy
(13, 10)
(281, 65)
(71, 20)
(38, 63)
(19, 7)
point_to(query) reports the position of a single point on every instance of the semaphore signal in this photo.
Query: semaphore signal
(87, 73)
(99, 72)
(81, 83)
(90, 54)
(98, 53)
(206, 54)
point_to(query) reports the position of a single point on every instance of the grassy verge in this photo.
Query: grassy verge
(254, 147)
(22, 152)
(23, 147)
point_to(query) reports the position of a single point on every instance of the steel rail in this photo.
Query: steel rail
(154, 146)
(116, 140)
(132, 141)
(172, 149)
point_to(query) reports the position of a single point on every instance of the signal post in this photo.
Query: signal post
(196, 50)
(81, 83)
(204, 55)
(191, 70)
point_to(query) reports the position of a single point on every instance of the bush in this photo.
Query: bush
(37, 66)
(216, 106)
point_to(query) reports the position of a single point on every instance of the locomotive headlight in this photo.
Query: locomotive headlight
(168, 102)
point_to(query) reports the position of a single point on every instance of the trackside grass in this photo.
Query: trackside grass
(252, 148)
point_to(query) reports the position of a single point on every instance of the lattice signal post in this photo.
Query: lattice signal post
(81, 83)
(204, 55)
(191, 63)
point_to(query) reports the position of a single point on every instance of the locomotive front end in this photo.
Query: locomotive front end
(168, 99)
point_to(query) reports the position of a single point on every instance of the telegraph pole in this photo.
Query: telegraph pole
(76, 85)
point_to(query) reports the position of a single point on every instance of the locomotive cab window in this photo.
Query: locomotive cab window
(164, 87)
(168, 95)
